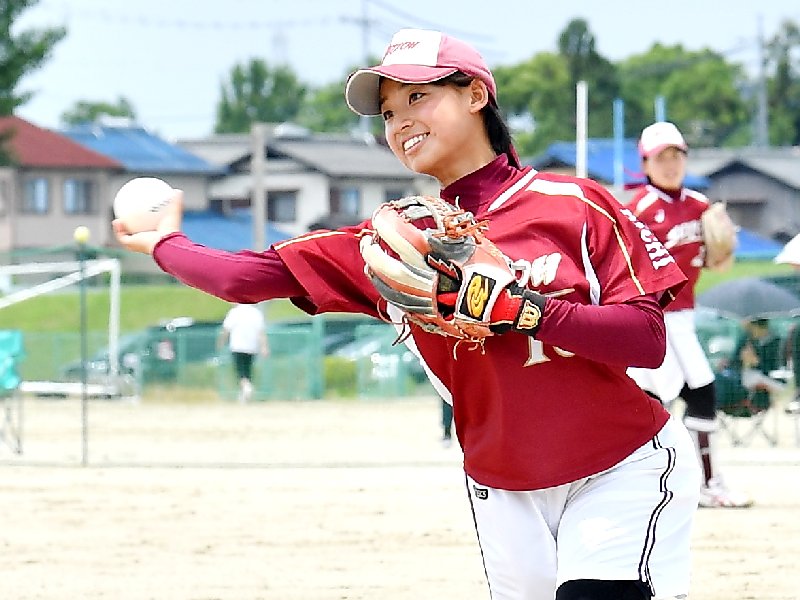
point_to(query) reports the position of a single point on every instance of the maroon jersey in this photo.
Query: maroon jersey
(528, 415)
(675, 219)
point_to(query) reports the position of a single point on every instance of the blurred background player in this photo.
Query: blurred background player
(673, 213)
(243, 331)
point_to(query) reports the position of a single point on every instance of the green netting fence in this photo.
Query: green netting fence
(323, 357)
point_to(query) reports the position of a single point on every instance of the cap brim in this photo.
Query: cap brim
(362, 92)
(660, 147)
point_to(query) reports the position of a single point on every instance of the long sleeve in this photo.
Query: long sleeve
(628, 334)
(244, 276)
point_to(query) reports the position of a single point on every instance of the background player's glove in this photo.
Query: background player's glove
(719, 237)
(443, 273)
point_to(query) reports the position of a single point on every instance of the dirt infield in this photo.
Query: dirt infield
(305, 501)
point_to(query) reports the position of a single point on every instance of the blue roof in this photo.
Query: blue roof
(752, 246)
(234, 232)
(139, 150)
(600, 161)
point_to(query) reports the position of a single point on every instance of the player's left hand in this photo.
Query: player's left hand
(449, 279)
(719, 237)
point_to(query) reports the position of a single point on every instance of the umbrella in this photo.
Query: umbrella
(749, 297)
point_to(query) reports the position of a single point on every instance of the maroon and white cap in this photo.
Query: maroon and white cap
(416, 56)
(658, 136)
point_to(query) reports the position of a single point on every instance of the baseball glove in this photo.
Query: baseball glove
(719, 237)
(431, 260)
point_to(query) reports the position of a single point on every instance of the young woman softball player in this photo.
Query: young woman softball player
(582, 486)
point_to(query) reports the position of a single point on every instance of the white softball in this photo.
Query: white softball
(139, 203)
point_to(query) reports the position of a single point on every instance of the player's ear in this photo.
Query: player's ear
(479, 95)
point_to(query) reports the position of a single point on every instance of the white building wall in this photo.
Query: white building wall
(7, 187)
(312, 190)
(56, 228)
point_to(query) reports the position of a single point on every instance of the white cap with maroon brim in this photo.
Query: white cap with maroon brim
(416, 56)
(658, 136)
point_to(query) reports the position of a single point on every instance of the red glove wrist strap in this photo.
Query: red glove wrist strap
(506, 309)
(518, 309)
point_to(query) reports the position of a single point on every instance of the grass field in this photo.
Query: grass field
(140, 306)
(144, 305)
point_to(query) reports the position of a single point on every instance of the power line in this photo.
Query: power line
(148, 20)
(411, 18)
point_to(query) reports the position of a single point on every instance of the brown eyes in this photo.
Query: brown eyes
(412, 98)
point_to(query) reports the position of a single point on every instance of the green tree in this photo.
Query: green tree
(257, 92)
(784, 86)
(85, 111)
(325, 110)
(577, 45)
(542, 90)
(538, 90)
(702, 93)
(20, 54)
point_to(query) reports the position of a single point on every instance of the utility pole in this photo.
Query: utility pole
(660, 108)
(363, 121)
(618, 108)
(363, 23)
(582, 127)
(258, 202)
(762, 117)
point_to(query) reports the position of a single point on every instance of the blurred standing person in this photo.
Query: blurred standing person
(673, 213)
(243, 331)
(447, 423)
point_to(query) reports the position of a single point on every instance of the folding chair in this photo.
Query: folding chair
(746, 412)
(11, 351)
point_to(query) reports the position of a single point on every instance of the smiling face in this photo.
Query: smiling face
(667, 168)
(436, 129)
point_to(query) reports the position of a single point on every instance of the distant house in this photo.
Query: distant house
(53, 186)
(64, 179)
(144, 154)
(761, 186)
(310, 179)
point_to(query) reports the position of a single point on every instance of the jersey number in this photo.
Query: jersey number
(536, 353)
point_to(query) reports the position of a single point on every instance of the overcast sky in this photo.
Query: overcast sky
(170, 57)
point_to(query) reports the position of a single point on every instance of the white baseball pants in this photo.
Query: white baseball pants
(631, 522)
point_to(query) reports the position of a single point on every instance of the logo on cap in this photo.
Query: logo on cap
(398, 47)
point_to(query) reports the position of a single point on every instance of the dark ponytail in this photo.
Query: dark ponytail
(499, 134)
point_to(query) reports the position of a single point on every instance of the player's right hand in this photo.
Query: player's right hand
(145, 241)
